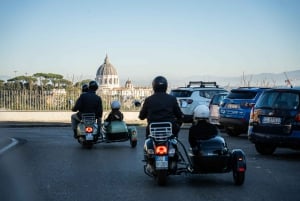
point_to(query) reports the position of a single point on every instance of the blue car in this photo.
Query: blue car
(236, 107)
(275, 121)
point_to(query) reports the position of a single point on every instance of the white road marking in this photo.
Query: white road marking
(13, 143)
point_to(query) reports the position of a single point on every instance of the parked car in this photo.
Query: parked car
(275, 121)
(214, 107)
(196, 93)
(236, 107)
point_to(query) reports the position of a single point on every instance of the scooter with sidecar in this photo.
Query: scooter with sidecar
(88, 132)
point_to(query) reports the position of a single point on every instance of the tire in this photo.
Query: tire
(265, 149)
(238, 177)
(133, 143)
(161, 177)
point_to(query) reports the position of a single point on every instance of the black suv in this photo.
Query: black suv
(235, 109)
(275, 120)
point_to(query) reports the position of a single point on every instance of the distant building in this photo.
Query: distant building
(108, 80)
(107, 76)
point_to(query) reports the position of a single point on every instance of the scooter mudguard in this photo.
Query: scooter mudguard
(132, 132)
(238, 160)
(81, 129)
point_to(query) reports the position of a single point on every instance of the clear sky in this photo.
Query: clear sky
(175, 38)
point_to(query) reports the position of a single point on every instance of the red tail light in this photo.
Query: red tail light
(297, 118)
(161, 150)
(89, 129)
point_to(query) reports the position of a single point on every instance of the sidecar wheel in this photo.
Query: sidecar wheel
(133, 143)
(238, 177)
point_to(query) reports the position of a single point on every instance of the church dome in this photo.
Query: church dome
(106, 68)
(107, 75)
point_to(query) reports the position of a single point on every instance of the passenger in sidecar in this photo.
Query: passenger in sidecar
(115, 129)
(201, 128)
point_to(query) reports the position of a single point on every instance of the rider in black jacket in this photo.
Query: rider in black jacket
(161, 107)
(88, 102)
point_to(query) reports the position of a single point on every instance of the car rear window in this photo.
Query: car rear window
(275, 99)
(209, 93)
(217, 99)
(235, 94)
(181, 93)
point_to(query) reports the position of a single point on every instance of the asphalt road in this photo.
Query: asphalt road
(48, 164)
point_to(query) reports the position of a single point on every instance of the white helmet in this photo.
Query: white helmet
(115, 105)
(201, 112)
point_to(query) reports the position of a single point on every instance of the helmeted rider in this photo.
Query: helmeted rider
(115, 113)
(161, 107)
(201, 128)
(88, 102)
(84, 88)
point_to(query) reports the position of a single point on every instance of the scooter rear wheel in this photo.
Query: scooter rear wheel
(161, 177)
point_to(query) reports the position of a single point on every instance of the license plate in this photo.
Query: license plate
(161, 162)
(232, 106)
(89, 137)
(271, 120)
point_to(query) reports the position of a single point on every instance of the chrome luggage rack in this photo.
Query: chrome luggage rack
(88, 118)
(160, 131)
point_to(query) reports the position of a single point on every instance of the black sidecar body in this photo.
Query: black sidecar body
(213, 156)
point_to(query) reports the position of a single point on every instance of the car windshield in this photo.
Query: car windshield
(209, 93)
(282, 100)
(235, 94)
(181, 93)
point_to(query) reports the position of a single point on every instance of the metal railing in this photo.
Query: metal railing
(29, 100)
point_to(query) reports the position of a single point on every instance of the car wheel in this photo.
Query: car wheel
(265, 149)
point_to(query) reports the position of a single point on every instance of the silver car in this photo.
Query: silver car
(214, 106)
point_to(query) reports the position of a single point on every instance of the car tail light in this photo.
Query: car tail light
(247, 105)
(252, 114)
(89, 129)
(161, 150)
(297, 118)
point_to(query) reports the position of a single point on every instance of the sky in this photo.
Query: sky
(142, 39)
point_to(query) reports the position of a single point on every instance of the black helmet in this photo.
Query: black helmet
(160, 84)
(85, 88)
(93, 85)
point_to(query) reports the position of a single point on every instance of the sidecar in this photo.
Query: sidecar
(213, 156)
(118, 131)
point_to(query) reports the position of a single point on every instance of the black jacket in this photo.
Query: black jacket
(202, 130)
(160, 107)
(115, 115)
(89, 102)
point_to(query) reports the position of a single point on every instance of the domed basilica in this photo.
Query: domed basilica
(109, 84)
(107, 76)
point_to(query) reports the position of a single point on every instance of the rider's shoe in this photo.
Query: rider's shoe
(149, 168)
